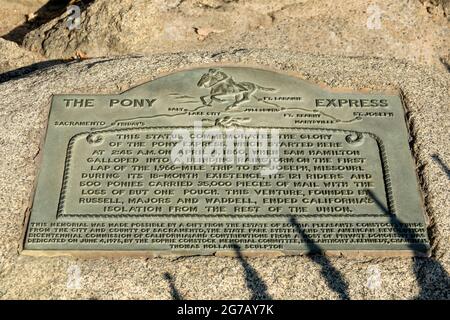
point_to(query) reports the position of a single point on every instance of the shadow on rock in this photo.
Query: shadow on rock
(332, 276)
(433, 280)
(25, 71)
(253, 281)
(441, 163)
(175, 294)
(445, 63)
(49, 11)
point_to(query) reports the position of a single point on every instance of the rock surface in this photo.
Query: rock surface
(24, 107)
(14, 57)
(413, 30)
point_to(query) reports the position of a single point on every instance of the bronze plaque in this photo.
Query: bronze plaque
(204, 160)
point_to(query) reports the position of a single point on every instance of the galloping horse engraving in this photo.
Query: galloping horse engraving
(223, 86)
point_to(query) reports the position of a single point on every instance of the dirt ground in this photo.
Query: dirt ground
(14, 13)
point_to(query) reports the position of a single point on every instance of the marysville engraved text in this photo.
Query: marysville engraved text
(207, 159)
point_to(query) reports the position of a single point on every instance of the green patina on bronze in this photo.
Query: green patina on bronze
(345, 180)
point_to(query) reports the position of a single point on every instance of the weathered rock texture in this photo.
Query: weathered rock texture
(13, 57)
(24, 106)
(416, 30)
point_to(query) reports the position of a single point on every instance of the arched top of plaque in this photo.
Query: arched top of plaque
(234, 95)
